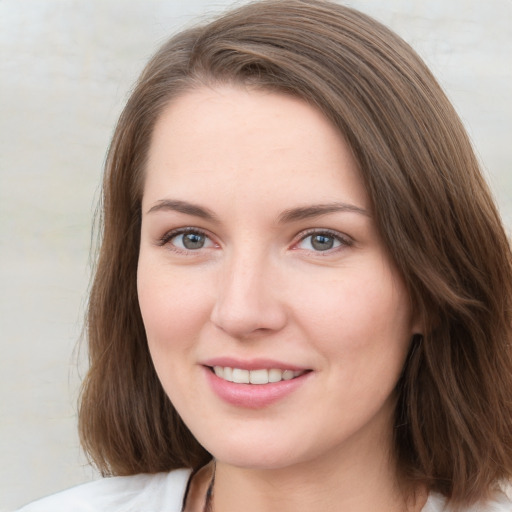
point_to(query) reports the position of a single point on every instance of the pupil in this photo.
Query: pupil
(322, 242)
(193, 240)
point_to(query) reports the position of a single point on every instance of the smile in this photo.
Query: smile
(259, 376)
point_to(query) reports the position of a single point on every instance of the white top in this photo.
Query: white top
(163, 492)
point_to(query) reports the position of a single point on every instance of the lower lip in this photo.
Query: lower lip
(253, 396)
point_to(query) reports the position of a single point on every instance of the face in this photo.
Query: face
(275, 319)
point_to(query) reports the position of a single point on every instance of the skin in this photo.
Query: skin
(259, 288)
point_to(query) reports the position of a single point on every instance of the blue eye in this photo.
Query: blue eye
(321, 241)
(190, 240)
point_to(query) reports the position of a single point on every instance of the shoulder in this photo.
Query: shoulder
(152, 493)
(500, 502)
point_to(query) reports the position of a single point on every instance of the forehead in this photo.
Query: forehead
(242, 142)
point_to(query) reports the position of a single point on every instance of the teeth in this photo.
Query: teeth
(228, 374)
(288, 375)
(262, 376)
(274, 375)
(258, 376)
(240, 376)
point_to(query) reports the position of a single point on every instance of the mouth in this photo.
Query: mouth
(256, 383)
(257, 376)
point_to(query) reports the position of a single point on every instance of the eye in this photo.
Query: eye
(188, 239)
(322, 241)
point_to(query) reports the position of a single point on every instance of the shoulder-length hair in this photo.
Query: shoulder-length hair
(453, 422)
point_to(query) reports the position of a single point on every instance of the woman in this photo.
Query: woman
(303, 294)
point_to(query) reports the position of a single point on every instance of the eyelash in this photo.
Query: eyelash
(167, 237)
(344, 241)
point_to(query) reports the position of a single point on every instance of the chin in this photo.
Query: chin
(255, 453)
(257, 461)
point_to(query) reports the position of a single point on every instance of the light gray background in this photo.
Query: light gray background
(66, 67)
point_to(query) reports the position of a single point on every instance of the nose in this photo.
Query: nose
(248, 301)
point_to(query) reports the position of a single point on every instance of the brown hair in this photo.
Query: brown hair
(453, 426)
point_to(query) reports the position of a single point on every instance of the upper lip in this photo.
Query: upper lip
(251, 364)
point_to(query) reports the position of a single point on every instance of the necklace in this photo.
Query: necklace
(208, 505)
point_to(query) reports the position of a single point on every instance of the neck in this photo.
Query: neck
(357, 475)
(354, 485)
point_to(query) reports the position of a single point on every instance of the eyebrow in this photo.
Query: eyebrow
(317, 210)
(287, 216)
(183, 207)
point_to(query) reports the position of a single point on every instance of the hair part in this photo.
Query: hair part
(430, 204)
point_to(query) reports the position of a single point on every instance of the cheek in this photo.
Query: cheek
(173, 311)
(171, 314)
(366, 316)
